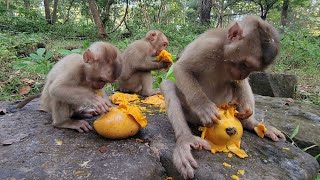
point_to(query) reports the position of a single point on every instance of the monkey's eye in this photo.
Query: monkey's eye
(165, 44)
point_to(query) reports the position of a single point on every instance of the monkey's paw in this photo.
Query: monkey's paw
(207, 113)
(182, 157)
(245, 111)
(274, 134)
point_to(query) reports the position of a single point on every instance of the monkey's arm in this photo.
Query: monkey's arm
(242, 98)
(189, 85)
(149, 64)
(198, 101)
(72, 94)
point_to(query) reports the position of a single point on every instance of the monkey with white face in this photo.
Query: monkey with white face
(212, 70)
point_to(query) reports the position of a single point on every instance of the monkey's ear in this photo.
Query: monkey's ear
(88, 56)
(235, 32)
(152, 36)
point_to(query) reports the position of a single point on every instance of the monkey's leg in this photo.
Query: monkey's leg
(182, 157)
(146, 80)
(61, 114)
(131, 85)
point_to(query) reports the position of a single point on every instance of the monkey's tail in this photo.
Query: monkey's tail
(27, 100)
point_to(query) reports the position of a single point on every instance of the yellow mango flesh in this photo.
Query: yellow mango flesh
(164, 56)
(123, 98)
(218, 137)
(120, 122)
(260, 129)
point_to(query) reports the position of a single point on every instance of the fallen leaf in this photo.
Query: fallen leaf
(3, 111)
(24, 90)
(18, 138)
(285, 148)
(84, 174)
(241, 172)
(58, 142)
(103, 149)
(17, 72)
(226, 164)
(85, 164)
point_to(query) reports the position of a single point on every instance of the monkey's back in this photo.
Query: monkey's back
(64, 71)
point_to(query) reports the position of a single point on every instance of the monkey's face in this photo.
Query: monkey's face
(241, 69)
(159, 41)
(103, 72)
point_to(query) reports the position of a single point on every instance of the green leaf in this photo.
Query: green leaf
(41, 51)
(34, 56)
(48, 56)
(64, 52)
(170, 72)
(77, 50)
(317, 156)
(295, 132)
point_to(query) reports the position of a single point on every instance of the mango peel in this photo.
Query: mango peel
(225, 136)
(120, 122)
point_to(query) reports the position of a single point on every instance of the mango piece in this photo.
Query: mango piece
(157, 100)
(226, 164)
(260, 129)
(235, 177)
(123, 98)
(240, 172)
(225, 136)
(164, 56)
(120, 122)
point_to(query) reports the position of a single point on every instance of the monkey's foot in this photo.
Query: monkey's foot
(182, 157)
(275, 134)
(86, 113)
(79, 125)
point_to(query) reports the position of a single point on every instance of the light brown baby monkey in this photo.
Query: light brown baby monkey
(138, 62)
(73, 83)
(212, 70)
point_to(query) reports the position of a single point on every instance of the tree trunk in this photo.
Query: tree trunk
(108, 6)
(205, 9)
(54, 12)
(26, 4)
(97, 19)
(47, 11)
(284, 13)
(7, 4)
(68, 11)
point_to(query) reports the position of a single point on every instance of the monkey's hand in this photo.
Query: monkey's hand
(244, 109)
(208, 113)
(182, 157)
(164, 65)
(101, 104)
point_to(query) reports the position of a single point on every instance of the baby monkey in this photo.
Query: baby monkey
(212, 70)
(138, 62)
(73, 83)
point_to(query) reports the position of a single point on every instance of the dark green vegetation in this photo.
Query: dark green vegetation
(32, 40)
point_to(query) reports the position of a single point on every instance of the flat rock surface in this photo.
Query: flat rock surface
(36, 150)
